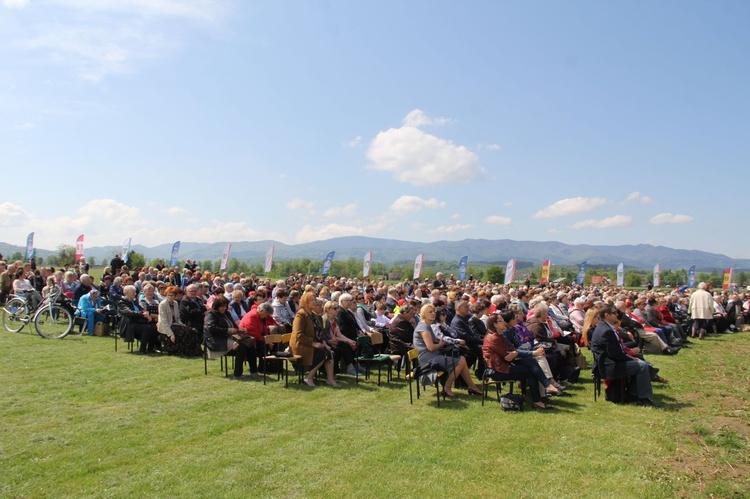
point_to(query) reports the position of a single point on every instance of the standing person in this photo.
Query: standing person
(701, 310)
(116, 264)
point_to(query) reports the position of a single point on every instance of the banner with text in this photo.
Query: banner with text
(126, 249)
(30, 246)
(175, 254)
(581, 273)
(79, 247)
(727, 279)
(510, 272)
(621, 274)
(327, 263)
(463, 263)
(225, 257)
(366, 264)
(269, 260)
(657, 275)
(418, 262)
(545, 272)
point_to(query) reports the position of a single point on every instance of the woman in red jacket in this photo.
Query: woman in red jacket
(508, 364)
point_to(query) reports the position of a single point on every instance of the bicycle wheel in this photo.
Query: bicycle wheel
(53, 322)
(15, 316)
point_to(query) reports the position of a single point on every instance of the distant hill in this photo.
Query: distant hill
(391, 251)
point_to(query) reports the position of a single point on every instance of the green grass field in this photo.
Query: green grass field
(78, 419)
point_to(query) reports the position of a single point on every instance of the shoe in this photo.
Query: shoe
(659, 379)
(351, 370)
(241, 377)
(551, 390)
(447, 395)
(670, 351)
(475, 392)
(308, 382)
(646, 403)
(333, 385)
(542, 406)
(154, 351)
(140, 352)
(255, 374)
(687, 341)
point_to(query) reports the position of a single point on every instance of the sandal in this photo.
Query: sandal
(475, 392)
(334, 384)
(308, 382)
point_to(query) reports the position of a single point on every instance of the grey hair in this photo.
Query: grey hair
(266, 308)
(148, 286)
(703, 286)
(540, 307)
(191, 287)
(127, 288)
(345, 296)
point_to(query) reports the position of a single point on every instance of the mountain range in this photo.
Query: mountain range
(391, 251)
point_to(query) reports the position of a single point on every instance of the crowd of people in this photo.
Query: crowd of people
(470, 330)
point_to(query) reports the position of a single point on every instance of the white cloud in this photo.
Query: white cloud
(415, 203)
(354, 143)
(637, 197)
(420, 158)
(417, 118)
(310, 233)
(15, 4)
(456, 216)
(13, 215)
(452, 228)
(111, 211)
(99, 38)
(337, 211)
(220, 231)
(616, 221)
(300, 204)
(569, 206)
(176, 210)
(668, 218)
(499, 220)
(493, 147)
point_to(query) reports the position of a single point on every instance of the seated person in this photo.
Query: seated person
(539, 355)
(83, 288)
(258, 323)
(507, 364)
(343, 348)
(381, 315)
(24, 289)
(430, 354)
(282, 313)
(180, 338)
(238, 308)
(136, 322)
(221, 335)
(613, 361)
(401, 330)
(91, 308)
(461, 329)
(308, 343)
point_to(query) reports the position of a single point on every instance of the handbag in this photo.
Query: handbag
(245, 340)
(511, 402)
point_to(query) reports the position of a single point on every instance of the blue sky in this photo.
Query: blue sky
(201, 120)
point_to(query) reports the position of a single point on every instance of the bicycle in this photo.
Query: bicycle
(51, 320)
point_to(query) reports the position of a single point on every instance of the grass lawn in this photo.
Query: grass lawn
(78, 419)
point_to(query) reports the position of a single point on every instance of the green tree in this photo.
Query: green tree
(66, 254)
(207, 265)
(135, 259)
(92, 261)
(633, 280)
(16, 256)
(495, 274)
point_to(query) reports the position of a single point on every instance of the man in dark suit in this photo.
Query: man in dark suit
(613, 360)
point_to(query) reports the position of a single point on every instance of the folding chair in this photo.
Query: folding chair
(280, 339)
(415, 373)
(378, 359)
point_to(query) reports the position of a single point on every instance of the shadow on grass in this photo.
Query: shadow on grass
(671, 404)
